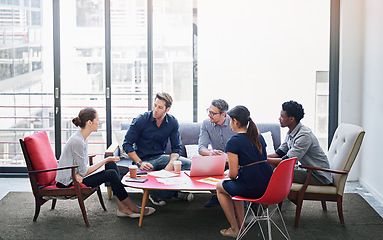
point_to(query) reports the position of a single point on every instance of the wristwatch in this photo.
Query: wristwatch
(139, 164)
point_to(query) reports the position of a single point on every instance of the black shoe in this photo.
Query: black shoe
(185, 196)
(156, 200)
(212, 202)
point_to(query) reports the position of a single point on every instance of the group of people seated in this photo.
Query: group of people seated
(230, 132)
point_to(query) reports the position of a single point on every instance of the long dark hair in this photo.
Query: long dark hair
(242, 115)
(84, 115)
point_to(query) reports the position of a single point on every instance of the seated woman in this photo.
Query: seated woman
(76, 153)
(248, 168)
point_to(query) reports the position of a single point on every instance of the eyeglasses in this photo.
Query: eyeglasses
(211, 113)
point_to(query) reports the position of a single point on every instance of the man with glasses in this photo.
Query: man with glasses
(215, 131)
(146, 141)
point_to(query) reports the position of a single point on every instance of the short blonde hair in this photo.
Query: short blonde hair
(166, 97)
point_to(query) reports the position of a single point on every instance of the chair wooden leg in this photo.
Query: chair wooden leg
(299, 208)
(340, 209)
(100, 198)
(324, 207)
(82, 207)
(37, 208)
(109, 189)
(54, 201)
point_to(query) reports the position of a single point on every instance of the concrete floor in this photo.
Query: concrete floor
(23, 185)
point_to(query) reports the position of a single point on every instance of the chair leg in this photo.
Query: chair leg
(37, 208)
(54, 201)
(243, 230)
(340, 209)
(82, 207)
(324, 207)
(284, 224)
(268, 223)
(109, 189)
(298, 211)
(280, 205)
(100, 198)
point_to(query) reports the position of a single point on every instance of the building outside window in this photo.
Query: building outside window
(26, 86)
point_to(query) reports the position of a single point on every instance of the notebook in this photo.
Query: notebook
(207, 166)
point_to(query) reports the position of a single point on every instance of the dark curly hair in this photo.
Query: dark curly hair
(293, 109)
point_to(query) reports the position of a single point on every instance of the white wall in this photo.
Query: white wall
(371, 174)
(258, 53)
(351, 69)
(361, 97)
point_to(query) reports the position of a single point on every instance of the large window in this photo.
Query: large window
(173, 54)
(129, 57)
(82, 40)
(26, 86)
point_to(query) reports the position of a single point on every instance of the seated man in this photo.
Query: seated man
(215, 131)
(300, 142)
(146, 141)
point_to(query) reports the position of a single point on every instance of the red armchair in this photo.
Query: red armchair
(42, 166)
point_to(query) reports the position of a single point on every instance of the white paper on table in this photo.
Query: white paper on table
(163, 174)
(210, 180)
(173, 180)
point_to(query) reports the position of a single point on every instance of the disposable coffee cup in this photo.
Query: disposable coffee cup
(177, 166)
(133, 171)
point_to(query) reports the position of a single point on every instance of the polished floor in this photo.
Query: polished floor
(23, 185)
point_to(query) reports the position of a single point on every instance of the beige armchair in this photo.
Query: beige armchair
(343, 150)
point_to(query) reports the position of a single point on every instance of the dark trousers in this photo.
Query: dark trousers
(111, 174)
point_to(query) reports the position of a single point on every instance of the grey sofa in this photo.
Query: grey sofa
(189, 133)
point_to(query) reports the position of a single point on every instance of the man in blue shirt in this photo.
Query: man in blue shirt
(146, 142)
(216, 131)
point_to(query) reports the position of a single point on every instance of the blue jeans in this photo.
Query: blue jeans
(112, 175)
(159, 163)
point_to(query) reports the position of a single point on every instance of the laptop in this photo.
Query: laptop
(207, 166)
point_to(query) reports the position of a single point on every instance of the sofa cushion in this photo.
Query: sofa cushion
(314, 189)
(269, 142)
(191, 150)
(42, 157)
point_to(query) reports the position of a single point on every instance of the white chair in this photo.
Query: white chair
(343, 150)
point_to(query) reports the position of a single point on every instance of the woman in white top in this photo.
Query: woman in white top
(76, 153)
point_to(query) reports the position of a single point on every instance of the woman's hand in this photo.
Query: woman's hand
(113, 159)
(79, 178)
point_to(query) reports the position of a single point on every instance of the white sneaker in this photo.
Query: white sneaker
(185, 196)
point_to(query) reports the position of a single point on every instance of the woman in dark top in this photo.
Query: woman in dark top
(249, 171)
